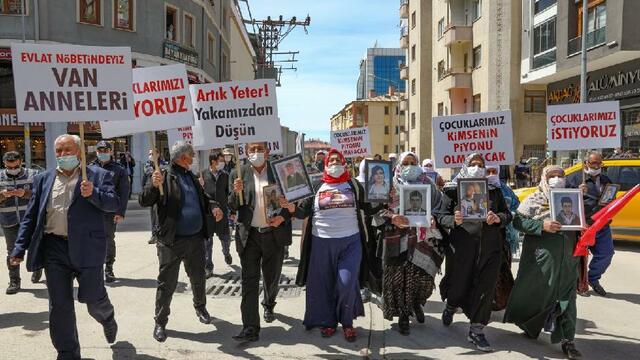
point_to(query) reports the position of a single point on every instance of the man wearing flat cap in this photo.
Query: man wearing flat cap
(105, 160)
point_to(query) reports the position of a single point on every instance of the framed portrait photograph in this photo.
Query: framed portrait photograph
(608, 194)
(415, 204)
(378, 181)
(567, 208)
(291, 175)
(473, 199)
(272, 196)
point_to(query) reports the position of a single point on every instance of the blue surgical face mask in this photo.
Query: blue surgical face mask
(104, 157)
(411, 172)
(68, 162)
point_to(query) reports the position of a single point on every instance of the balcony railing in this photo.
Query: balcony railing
(544, 59)
(404, 9)
(404, 37)
(457, 34)
(594, 38)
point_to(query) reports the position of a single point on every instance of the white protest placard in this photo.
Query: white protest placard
(235, 112)
(275, 148)
(161, 102)
(489, 134)
(352, 142)
(180, 134)
(584, 126)
(72, 83)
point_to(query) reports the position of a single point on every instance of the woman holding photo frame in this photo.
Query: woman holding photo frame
(333, 262)
(474, 253)
(411, 255)
(544, 295)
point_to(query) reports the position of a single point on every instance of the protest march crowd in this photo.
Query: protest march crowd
(409, 220)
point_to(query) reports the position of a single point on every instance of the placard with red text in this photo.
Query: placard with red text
(235, 112)
(352, 142)
(489, 134)
(161, 102)
(584, 126)
(71, 83)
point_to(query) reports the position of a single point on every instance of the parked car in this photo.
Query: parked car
(626, 173)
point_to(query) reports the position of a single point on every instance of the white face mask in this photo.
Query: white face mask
(256, 159)
(220, 166)
(335, 171)
(476, 171)
(150, 157)
(593, 172)
(557, 182)
(227, 158)
(494, 180)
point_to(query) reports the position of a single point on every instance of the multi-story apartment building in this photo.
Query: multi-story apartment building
(381, 114)
(551, 56)
(197, 33)
(379, 69)
(416, 39)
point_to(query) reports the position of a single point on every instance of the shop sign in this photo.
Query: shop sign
(175, 52)
(5, 54)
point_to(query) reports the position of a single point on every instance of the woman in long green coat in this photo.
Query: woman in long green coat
(544, 295)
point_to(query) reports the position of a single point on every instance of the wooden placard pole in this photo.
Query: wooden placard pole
(239, 171)
(83, 156)
(154, 151)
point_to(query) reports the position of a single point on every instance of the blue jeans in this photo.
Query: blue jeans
(225, 240)
(602, 253)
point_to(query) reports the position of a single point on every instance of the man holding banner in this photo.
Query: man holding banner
(260, 242)
(66, 252)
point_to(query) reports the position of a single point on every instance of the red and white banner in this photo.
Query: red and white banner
(235, 112)
(352, 142)
(489, 134)
(584, 126)
(71, 83)
(161, 102)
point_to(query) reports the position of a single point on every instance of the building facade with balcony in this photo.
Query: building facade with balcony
(382, 115)
(379, 69)
(417, 41)
(476, 57)
(551, 57)
(197, 33)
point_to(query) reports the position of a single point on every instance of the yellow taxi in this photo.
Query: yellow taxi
(626, 172)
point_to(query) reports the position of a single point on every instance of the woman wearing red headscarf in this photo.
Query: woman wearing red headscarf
(333, 264)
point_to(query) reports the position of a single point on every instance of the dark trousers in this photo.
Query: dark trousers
(91, 291)
(110, 233)
(154, 221)
(225, 240)
(261, 252)
(189, 250)
(10, 235)
(602, 253)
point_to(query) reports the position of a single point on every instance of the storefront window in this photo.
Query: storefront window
(15, 142)
(631, 123)
(7, 94)
(11, 7)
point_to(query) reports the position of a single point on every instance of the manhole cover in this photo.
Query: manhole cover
(231, 286)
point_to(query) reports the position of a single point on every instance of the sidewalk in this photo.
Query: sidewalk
(607, 327)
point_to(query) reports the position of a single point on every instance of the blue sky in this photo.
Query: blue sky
(340, 33)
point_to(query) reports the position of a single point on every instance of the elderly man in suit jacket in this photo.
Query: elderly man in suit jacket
(260, 242)
(63, 232)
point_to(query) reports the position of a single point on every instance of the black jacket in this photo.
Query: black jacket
(305, 210)
(244, 212)
(168, 204)
(594, 192)
(217, 191)
(120, 182)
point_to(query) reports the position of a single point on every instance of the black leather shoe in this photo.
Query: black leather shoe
(248, 334)
(403, 325)
(36, 276)
(598, 288)
(152, 240)
(208, 273)
(109, 277)
(269, 316)
(203, 316)
(570, 351)
(228, 259)
(159, 333)
(110, 330)
(14, 287)
(447, 317)
(419, 314)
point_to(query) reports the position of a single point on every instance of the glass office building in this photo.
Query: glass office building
(379, 69)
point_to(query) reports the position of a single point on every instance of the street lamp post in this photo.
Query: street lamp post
(393, 83)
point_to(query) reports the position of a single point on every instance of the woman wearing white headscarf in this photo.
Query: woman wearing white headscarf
(427, 167)
(474, 254)
(408, 282)
(544, 295)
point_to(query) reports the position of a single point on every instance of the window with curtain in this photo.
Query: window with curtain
(123, 12)
(188, 30)
(89, 11)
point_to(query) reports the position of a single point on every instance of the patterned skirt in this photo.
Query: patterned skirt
(404, 287)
